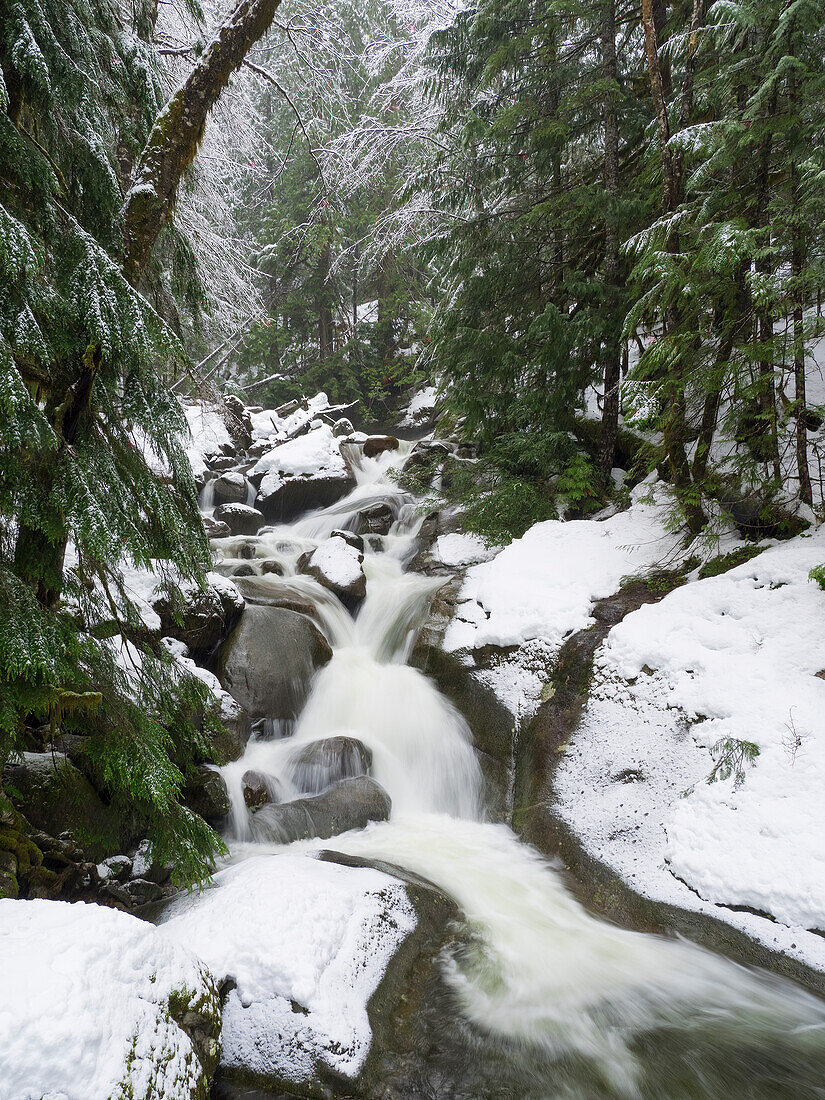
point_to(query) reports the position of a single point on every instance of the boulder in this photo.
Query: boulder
(301, 475)
(54, 796)
(243, 571)
(117, 868)
(202, 617)
(376, 520)
(269, 593)
(342, 427)
(205, 794)
(271, 567)
(259, 789)
(337, 566)
(320, 764)
(215, 529)
(375, 445)
(230, 488)
(349, 537)
(296, 495)
(269, 660)
(220, 463)
(350, 804)
(241, 519)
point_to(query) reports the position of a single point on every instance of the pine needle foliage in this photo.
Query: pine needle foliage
(78, 95)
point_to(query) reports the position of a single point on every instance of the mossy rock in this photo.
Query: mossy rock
(55, 797)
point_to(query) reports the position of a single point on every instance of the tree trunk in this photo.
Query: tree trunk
(325, 340)
(149, 205)
(173, 142)
(610, 410)
(674, 424)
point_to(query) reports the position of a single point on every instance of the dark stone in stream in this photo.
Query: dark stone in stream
(270, 567)
(318, 765)
(269, 660)
(215, 529)
(241, 519)
(230, 488)
(350, 804)
(259, 789)
(205, 794)
(376, 520)
(202, 618)
(349, 536)
(297, 495)
(376, 445)
(243, 571)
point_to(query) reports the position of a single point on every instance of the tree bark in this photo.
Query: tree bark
(610, 410)
(174, 140)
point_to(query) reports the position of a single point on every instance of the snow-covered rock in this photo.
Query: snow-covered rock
(96, 1003)
(308, 943)
(338, 566)
(421, 409)
(303, 473)
(726, 674)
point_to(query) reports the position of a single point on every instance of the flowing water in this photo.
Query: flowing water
(561, 1004)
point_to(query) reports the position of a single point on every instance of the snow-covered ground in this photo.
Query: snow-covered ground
(543, 585)
(308, 943)
(85, 1005)
(721, 680)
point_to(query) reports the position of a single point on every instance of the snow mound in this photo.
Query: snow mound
(544, 584)
(308, 943)
(268, 425)
(85, 1007)
(690, 683)
(459, 548)
(316, 454)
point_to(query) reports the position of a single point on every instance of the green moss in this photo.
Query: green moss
(724, 562)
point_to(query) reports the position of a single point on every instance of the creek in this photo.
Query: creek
(561, 1004)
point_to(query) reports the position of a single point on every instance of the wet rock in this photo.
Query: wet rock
(241, 519)
(297, 495)
(243, 571)
(230, 488)
(267, 592)
(205, 794)
(200, 618)
(375, 445)
(269, 660)
(216, 529)
(342, 427)
(54, 796)
(141, 891)
(491, 722)
(270, 567)
(220, 463)
(376, 520)
(350, 804)
(320, 764)
(337, 565)
(259, 789)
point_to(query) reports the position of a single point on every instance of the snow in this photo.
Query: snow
(268, 425)
(544, 584)
(84, 990)
(733, 658)
(339, 562)
(308, 943)
(316, 454)
(209, 435)
(421, 408)
(459, 548)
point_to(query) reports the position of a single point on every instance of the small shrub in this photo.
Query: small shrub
(724, 562)
(731, 756)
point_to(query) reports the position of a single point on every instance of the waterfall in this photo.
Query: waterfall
(540, 971)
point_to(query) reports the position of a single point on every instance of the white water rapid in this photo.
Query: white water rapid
(541, 972)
